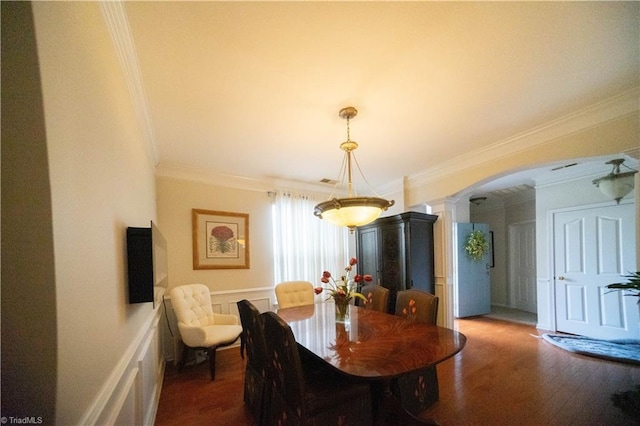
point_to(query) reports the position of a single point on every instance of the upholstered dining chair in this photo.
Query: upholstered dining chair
(199, 326)
(294, 293)
(377, 297)
(304, 397)
(417, 390)
(417, 305)
(256, 382)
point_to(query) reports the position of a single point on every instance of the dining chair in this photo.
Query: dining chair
(199, 326)
(418, 390)
(417, 305)
(294, 293)
(307, 397)
(256, 382)
(377, 297)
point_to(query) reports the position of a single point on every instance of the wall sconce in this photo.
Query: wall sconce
(616, 185)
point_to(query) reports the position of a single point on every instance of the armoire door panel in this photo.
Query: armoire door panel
(402, 246)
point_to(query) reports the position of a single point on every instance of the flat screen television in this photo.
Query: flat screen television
(146, 263)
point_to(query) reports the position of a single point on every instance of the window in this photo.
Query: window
(303, 245)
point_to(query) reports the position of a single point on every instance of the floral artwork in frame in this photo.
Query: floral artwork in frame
(220, 240)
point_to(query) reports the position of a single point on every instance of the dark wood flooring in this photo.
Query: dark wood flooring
(505, 375)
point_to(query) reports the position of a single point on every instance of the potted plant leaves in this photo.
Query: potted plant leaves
(632, 286)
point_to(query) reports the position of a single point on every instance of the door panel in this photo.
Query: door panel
(472, 292)
(522, 266)
(392, 261)
(368, 253)
(592, 248)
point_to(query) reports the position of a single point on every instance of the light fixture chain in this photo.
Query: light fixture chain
(348, 130)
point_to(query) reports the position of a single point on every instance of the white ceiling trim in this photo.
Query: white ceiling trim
(118, 25)
(615, 107)
(237, 182)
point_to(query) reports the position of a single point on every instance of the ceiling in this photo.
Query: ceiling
(253, 89)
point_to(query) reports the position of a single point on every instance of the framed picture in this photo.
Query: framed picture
(220, 240)
(492, 261)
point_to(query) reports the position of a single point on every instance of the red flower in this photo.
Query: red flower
(360, 278)
(344, 288)
(222, 233)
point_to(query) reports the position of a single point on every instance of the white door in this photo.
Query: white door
(522, 266)
(592, 248)
(472, 294)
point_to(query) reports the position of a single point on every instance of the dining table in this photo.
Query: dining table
(370, 345)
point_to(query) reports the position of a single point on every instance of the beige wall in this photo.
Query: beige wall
(176, 199)
(29, 343)
(101, 182)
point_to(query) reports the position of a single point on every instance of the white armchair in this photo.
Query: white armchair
(200, 327)
(294, 293)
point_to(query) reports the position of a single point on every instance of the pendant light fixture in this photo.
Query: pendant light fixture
(352, 210)
(616, 185)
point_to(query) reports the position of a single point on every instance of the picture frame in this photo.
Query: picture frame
(492, 262)
(220, 239)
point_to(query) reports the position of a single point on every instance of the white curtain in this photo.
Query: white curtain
(303, 245)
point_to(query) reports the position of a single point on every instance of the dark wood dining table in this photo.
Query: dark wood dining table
(371, 345)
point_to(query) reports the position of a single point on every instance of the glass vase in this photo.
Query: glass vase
(342, 311)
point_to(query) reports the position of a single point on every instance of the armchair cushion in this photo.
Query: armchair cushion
(207, 336)
(294, 293)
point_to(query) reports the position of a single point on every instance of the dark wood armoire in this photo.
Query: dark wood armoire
(398, 252)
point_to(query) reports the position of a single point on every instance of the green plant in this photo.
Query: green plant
(633, 285)
(476, 245)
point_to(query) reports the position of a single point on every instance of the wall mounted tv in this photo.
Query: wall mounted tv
(146, 263)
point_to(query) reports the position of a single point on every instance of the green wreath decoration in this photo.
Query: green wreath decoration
(476, 246)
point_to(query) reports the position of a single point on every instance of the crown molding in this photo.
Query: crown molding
(180, 171)
(624, 104)
(118, 26)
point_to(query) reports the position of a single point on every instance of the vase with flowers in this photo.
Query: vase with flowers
(344, 289)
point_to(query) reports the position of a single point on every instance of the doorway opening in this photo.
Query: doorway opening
(511, 202)
(511, 216)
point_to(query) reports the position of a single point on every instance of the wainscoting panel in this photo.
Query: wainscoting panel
(131, 394)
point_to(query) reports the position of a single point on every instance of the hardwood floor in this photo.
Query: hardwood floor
(505, 375)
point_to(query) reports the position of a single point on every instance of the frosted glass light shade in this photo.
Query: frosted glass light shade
(352, 212)
(616, 186)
